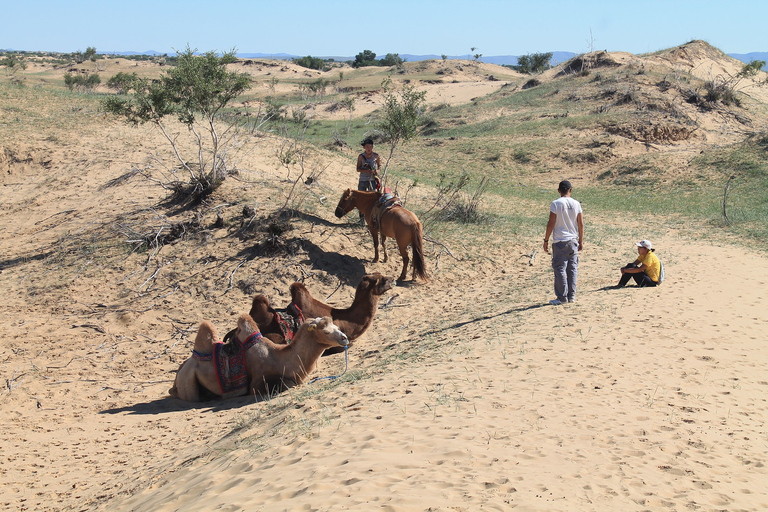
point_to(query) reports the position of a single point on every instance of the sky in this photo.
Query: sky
(324, 28)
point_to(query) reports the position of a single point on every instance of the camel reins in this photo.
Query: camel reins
(334, 377)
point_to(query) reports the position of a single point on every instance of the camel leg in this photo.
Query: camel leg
(375, 235)
(406, 260)
(185, 384)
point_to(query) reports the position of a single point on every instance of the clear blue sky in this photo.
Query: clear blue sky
(345, 28)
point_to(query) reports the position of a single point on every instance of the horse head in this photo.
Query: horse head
(346, 203)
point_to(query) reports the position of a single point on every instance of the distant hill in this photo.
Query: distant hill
(502, 60)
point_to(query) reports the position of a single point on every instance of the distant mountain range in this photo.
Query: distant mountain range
(502, 60)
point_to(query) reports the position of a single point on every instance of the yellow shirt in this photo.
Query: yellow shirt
(652, 265)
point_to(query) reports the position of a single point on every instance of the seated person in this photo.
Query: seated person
(645, 270)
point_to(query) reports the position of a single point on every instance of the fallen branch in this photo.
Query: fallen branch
(447, 250)
(232, 275)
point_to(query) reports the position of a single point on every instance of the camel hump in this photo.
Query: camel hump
(296, 289)
(246, 323)
(206, 337)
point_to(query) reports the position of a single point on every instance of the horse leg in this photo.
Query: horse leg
(375, 235)
(403, 254)
(384, 246)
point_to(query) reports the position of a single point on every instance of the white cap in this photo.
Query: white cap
(645, 243)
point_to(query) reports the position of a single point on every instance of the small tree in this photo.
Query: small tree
(196, 91)
(365, 58)
(401, 116)
(533, 63)
(392, 59)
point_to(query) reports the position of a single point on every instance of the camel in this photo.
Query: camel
(257, 365)
(354, 320)
(274, 368)
(276, 326)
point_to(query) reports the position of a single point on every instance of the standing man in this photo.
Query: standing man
(567, 225)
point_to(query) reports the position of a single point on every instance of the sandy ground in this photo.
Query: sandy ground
(469, 392)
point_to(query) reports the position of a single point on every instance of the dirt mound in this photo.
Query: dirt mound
(587, 61)
(653, 133)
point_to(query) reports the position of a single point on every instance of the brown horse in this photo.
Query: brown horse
(397, 223)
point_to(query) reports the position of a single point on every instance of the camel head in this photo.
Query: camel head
(326, 333)
(246, 328)
(346, 204)
(375, 284)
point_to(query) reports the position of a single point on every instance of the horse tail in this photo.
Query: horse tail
(419, 268)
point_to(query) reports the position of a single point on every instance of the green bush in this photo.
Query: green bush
(81, 81)
(310, 62)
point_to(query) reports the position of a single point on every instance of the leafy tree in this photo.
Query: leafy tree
(195, 91)
(365, 58)
(89, 54)
(392, 59)
(401, 116)
(533, 63)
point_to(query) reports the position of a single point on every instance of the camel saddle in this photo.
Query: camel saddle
(387, 201)
(229, 361)
(290, 320)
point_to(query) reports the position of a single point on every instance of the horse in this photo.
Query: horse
(396, 222)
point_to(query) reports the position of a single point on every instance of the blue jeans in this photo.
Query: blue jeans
(565, 263)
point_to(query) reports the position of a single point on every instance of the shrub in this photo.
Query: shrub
(195, 91)
(122, 82)
(310, 62)
(81, 81)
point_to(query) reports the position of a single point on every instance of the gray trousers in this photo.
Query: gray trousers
(565, 263)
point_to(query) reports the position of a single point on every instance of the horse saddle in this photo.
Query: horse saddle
(387, 201)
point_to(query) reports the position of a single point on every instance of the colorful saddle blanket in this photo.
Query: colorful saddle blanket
(229, 360)
(290, 321)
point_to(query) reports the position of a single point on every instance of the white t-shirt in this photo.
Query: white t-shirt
(566, 209)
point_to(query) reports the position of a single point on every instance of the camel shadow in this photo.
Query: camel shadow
(169, 404)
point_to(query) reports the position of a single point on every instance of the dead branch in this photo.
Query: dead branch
(232, 275)
(447, 250)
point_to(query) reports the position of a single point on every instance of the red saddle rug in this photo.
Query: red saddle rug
(229, 360)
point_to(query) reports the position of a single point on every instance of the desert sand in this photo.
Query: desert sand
(469, 392)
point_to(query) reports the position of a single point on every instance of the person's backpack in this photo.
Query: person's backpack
(661, 273)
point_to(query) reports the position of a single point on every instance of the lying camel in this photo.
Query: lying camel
(274, 368)
(354, 320)
(251, 363)
(278, 327)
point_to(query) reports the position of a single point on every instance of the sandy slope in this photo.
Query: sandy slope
(468, 393)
